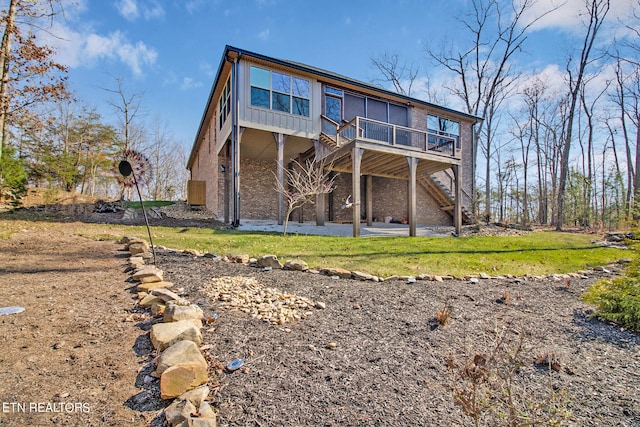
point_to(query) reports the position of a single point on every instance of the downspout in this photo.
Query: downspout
(474, 194)
(235, 144)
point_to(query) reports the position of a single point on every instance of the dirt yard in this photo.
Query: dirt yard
(375, 355)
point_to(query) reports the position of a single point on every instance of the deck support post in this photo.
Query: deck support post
(457, 209)
(235, 155)
(369, 197)
(227, 183)
(280, 139)
(356, 160)
(320, 198)
(413, 168)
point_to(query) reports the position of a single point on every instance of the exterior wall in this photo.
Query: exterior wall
(258, 197)
(206, 168)
(390, 198)
(278, 121)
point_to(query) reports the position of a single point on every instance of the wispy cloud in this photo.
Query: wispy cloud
(131, 10)
(153, 11)
(264, 35)
(207, 69)
(190, 83)
(128, 9)
(115, 46)
(568, 15)
(86, 49)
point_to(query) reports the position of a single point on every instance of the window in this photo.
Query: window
(353, 106)
(333, 104)
(225, 103)
(279, 91)
(445, 127)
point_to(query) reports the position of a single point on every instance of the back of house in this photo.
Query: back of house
(395, 157)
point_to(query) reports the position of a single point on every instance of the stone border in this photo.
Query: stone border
(270, 261)
(181, 367)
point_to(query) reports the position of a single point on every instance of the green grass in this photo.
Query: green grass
(618, 300)
(535, 253)
(147, 204)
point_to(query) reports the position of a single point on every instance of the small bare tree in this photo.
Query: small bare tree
(301, 183)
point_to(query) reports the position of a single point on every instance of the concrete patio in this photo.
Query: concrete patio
(340, 229)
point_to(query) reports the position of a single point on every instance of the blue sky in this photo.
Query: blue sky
(169, 50)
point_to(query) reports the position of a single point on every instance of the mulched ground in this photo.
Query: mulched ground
(390, 363)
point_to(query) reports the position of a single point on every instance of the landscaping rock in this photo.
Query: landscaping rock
(149, 300)
(136, 261)
(336, 271)
(179, 411)
(193, 252)
(181, 353)
(125, 240)
(206, 411)
(157, 309)
(147, 287)
(138, 247)
(196, 396)
(239, 259)
(167, 295)
(269, 261)
(181, 378)
(296, 265)
(163, 335)
(147, 274)
(361, 276)
(269, 304)
(175, 312)
(198, 422)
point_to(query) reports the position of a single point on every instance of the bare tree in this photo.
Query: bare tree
(128, 107)
(401, 75)
(167, 158)
(484, 69)
(597, 11)
(302, 183)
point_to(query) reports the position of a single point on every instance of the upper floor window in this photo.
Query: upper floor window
(279, 91)
(444, 127)
(225, 103)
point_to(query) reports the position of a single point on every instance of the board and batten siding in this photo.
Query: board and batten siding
(278, 121)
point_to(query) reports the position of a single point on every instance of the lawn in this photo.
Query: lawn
(535, 253)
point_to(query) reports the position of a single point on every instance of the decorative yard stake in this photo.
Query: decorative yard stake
(128, 172)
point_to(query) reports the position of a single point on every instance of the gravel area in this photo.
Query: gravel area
(376, 355)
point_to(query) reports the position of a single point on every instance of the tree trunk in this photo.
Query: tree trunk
(598, 11)
(5, 60)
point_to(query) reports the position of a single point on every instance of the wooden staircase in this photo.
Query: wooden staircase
(445, 199)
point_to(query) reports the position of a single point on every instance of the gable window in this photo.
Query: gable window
(279, 91)
(445, 127)
(225, 103)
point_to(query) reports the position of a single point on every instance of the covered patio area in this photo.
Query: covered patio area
(376, 229)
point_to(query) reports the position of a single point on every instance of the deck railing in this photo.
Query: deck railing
(329, 127)
(386, 133)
